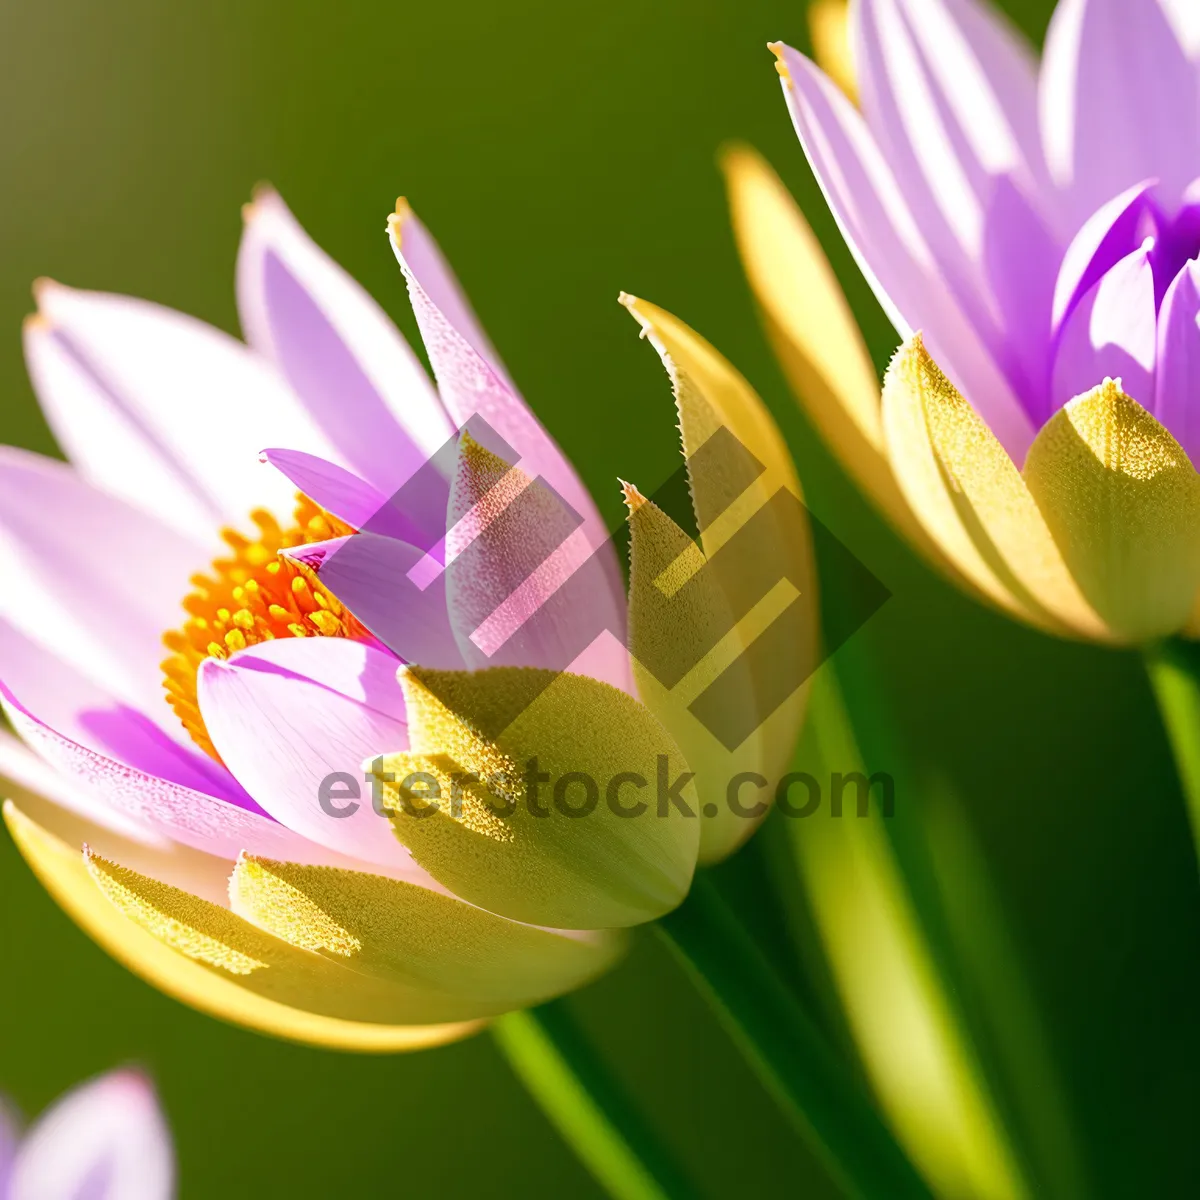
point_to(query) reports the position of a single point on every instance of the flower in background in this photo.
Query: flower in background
(232, 855)
(1040, 227)
(104, 1140)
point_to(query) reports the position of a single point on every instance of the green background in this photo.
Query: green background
(560, 154)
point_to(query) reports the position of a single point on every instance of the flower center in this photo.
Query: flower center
(248, 597)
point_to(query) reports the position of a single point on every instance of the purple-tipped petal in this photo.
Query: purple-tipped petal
(31, 772)
(289, 715)
(425, 260)
(162, 409)
(1020, 259)
(91, 576)
(1111, 334)
(113, 767)
(879, 228)
(104, 1140)
(1120, 102)
(1177, 379)
(1114, 230)
(342, 355)
(380, 580)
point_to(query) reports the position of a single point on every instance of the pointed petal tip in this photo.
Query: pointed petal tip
(632, 497)
(262, 195)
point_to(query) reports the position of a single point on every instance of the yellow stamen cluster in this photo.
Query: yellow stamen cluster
(252, 596)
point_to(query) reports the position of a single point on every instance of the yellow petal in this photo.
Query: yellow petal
(212, 989)
(556, 851)
(813, 332)
(403, 933)
(962, 484)
(687, 648)
(757, 552)
(829, 28)
(1123, 502)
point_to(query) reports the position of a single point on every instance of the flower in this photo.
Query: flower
(1040, 227)
(106, 1137)
(231, 855)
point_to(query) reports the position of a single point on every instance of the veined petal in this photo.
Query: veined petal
(951, 113)
(1120, 102)
(409, 935)
(108, 1133)
(287, 992)
(870, 208)
(356, 375)
(973, 500)
(294, 719)
(90, 576)
(813, 331)
(1111, 333)
(1123, 503)
(54, 694)
(522, 795)
(200, 400)
(1177, 378)
(140, 804)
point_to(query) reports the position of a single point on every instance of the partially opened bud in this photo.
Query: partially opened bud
(543, 796)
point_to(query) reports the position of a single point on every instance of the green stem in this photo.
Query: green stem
(789, 1054)
(1174, 670)
(549, 1055)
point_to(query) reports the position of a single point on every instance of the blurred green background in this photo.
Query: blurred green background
(560, 154)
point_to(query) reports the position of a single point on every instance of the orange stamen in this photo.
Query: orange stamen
(249, 597)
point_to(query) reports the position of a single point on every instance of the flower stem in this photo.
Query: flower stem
(790, 1056)
(1174, 670)
(579, 1097)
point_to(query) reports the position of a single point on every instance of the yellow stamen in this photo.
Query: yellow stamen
(249, 597)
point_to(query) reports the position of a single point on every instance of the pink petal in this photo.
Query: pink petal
(1111, 334)
(20, 766)
(950, 93)
(1120, 102)
(1108, 235)
(354, 372)
(870, 209)
(376, 578)
(287, 714)
(1020, 258)
(1177, 380)
(108, 767)
(163, 410)
(106, 1138)
(91, 576)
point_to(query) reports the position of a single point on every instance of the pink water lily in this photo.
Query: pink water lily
(210, 866)
(1039, 226)
(104, 1140)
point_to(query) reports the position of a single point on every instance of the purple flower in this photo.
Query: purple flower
(235, 849)
(104, 1140)
(1040, 226)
